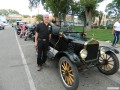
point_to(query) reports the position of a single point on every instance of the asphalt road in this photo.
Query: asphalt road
(18, 69)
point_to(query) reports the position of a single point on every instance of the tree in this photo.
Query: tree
(13, 11)
(66, 6)
(26, 16)
(39, 18)
(8, 12)
(75, 9)
(89, 6)
(58, 6)
(34, 3)
(54, 6)
(100, 17)
(113, 9)
(4, 12)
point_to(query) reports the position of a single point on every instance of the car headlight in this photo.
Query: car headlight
(83, 53)
(60, 33)
(102, 50)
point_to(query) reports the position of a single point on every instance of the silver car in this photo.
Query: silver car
(1, 26)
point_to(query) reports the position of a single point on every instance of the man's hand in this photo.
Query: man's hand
(36, 39)
(49, 37)
(36, 44)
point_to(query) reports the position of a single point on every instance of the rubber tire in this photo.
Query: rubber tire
(115, 67)
(25, 38)
(75, 72)
(20, 35)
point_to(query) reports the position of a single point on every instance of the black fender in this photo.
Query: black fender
(72, 56)
(110, 49)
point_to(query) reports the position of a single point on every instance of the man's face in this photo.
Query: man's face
(46, 18)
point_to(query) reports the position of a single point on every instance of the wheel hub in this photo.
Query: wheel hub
(105, 62)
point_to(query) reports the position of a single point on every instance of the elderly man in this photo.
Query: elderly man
(42, 37)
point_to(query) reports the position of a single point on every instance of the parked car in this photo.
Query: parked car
(76, 53)
(2, 26)
(3, 22)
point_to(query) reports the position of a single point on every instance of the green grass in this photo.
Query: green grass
(98, 34)
(78, 28)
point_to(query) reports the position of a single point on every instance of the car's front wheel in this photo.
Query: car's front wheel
(68, 74)
(108, 63)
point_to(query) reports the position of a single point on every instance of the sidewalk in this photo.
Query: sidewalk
(105, 43)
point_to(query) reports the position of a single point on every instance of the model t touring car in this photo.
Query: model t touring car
(75, 53)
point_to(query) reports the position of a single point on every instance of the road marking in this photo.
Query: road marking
(30, 79)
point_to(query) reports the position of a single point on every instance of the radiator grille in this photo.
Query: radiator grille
(92, 51)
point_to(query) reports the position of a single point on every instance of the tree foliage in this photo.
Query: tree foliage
(89, 7)
(8, 12)
(26, 16)
(84, 8)
(39, 18)
(58, 6)
(113, 9)
(34, 3)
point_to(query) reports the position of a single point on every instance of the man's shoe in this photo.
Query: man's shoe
(114, 46)
(39, 68)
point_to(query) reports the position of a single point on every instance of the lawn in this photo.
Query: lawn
(99, 34)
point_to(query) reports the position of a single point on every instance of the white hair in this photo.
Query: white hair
(46, 14)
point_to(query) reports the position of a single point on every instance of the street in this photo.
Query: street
(18, 68)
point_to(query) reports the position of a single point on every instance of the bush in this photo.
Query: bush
(110, 26)
(102, 27)
(95, 26)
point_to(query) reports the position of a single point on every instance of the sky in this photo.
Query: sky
(103, 4)
(22, 6)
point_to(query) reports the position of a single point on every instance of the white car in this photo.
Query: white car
(5, 23)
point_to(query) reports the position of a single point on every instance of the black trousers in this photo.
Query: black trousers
(42, 52)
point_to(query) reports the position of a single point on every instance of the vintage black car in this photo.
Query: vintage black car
(75, 53)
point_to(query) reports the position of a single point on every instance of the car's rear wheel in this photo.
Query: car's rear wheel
(68, 74)
(108, 63)
(3, 28)
(18, 33)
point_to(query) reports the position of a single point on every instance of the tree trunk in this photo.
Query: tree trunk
(88, 20)
(64, 19)
(100, 19)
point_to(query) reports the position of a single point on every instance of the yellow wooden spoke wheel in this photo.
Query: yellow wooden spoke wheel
(68, 73)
